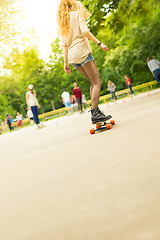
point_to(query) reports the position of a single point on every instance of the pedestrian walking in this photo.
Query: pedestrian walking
(19, 120)
(129, 84)
(111, 88)
(33, 105)
(78, 94)
(71, 18)
(8, 122)
(66, 100)
(30, 116)
(154, 67)
(11, 118)
(73, 103)
(84, 101)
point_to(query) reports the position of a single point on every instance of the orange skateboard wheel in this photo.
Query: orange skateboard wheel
(92, 131)
(112, 122)
(108, 126)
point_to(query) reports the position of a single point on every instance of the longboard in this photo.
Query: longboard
(40, 127)
(102, 126)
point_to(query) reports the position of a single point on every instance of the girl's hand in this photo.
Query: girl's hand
(104, 47)
(39, 106)
(67, 68)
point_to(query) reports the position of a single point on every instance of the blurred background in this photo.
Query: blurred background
(31, 50)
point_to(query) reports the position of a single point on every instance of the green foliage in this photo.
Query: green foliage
(138, 38)
(7, 22)
(129, 28)
(25, 69)
(99, 10)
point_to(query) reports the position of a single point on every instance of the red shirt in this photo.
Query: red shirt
(128, 81)
(77, 92)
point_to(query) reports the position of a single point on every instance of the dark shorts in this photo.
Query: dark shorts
(88, 59)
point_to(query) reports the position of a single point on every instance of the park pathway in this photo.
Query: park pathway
(61, 183)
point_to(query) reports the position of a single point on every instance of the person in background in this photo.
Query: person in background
(129, 84)
(30, 116)
(84, 101)
(73, 103)
(66, 100)
(154, 67)
(78, 94)
(111, 88)
(8, 122)
(19, 120)
(33, 105)
(71, 18)
(11, 118)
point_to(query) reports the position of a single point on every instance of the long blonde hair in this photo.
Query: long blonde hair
(34, 93)
(63, 14)
(110, 83)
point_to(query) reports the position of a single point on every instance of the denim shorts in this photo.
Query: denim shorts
(67, 104)
(88, 59)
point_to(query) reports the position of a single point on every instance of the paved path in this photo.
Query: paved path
(61, 183)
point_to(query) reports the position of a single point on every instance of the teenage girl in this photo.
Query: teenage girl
(33, 104)
(71, 19)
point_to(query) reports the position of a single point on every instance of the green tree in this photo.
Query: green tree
(25, 69)
(99, 9)
(7, 24)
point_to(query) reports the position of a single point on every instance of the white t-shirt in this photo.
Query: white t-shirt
(32, 99)
(19, 117)
(66, 96)
(153, 64)
(76, 42)
(30, 114)
(111, 87)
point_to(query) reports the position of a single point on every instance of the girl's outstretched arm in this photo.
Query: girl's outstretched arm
(90, 36)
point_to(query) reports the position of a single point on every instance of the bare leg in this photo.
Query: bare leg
(32, 121)
(69, 109)
(90, 72)
(81, 70)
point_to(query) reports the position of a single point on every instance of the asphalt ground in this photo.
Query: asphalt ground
(62, 183)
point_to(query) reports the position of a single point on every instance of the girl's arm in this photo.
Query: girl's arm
(27, 101)
(90, 36)
(66, 66)
(38, 104)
